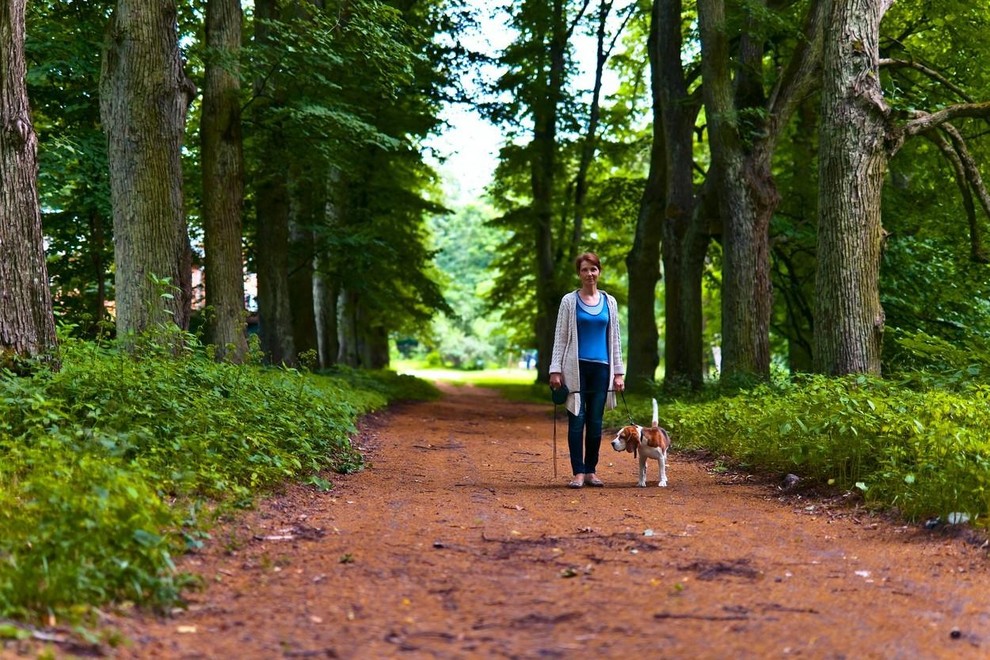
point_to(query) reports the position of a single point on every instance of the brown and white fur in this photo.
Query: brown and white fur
(645, 443)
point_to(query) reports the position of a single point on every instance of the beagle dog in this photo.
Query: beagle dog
(645, 443)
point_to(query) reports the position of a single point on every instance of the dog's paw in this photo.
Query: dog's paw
(662, 484)
(642, 484)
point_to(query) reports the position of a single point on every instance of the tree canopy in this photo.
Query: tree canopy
(682, 143)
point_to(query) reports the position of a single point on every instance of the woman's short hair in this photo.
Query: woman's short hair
(590, 257)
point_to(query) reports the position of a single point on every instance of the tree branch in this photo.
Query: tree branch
(962, 181)
(924, 121)
(576, 21)
(978, 252)
(931, 73)
(799, 75)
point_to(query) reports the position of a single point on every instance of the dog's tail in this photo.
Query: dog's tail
(656, 416)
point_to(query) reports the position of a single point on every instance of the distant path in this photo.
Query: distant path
(455, 542)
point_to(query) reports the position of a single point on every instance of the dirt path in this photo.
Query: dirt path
(457, 543)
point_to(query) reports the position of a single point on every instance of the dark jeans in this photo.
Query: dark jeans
(584, 450)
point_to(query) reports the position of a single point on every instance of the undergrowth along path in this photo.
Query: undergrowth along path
(456, 542)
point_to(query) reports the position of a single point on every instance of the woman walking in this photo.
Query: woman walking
(587, 358)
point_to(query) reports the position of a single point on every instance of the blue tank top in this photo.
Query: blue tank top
(592, 330)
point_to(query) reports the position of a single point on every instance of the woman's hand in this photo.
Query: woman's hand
(555, 381)
(619, 383)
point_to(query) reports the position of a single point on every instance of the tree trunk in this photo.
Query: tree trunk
(303, 209)
(363, 341)
(795, 255)
(325, 296)
(274, 308)
(348, 331)
(27, 325)
(374, 342)
(643, 260)
(849, 319)
(744, 192)
(97, 250)
(744, 125)
(326, 289)
(272, 208)
(685, 238)
(543, 167)
(223, 181)
(643, 267)
(144, 96)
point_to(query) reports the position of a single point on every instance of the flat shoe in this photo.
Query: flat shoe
(597, 483)
(575, 484)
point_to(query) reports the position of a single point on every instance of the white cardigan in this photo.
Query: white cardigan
(564, 359)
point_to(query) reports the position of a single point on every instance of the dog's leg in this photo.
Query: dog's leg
(663, 468)
(642, 469)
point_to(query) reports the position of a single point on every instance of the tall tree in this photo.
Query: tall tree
(63, 46)
(553, 28)
(223, 180)
(744, 125)
(271, 197)
(859, 136)
(852, 163)
(27, 325)
(544, 181)
(144, 97)
(643, 260)
(306, 184)
(685, 227)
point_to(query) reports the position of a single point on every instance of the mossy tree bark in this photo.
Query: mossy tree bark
(745, 121)
(223, 181)
(849, 320)
(144, 96)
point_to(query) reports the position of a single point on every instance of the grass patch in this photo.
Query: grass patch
(514, 384)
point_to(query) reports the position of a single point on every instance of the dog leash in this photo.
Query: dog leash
(622, 393)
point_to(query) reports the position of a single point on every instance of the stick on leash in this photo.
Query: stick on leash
(555, 443)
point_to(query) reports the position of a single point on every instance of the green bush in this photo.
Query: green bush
(924, 452)
(122, 459)
(81, 529)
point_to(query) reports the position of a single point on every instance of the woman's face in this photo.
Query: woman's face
(589, 273)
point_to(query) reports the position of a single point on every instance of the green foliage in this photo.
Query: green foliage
(528, 89)
(469, 334)
(63, 45)
(925, 361)
(81, 528)
(348, 93)
(116, 463)
(923, 451)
